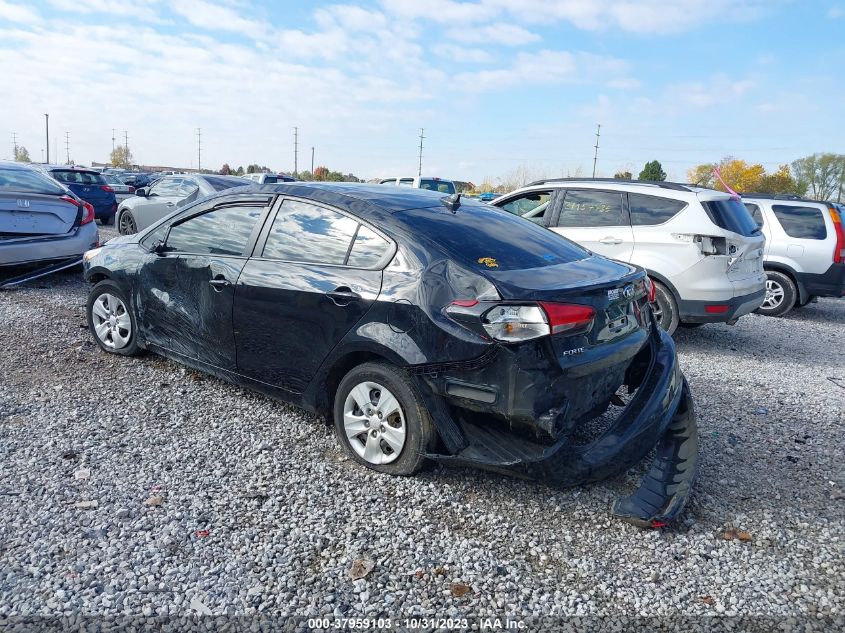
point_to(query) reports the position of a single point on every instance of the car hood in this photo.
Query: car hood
(123, 239)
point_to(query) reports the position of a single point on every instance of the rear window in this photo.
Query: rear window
(27, 181)
(650, 210)
(219, 183)
(801, 222)
(484, 237)
(586, 207)
(731, 215)
(443, 186)
(73, 177)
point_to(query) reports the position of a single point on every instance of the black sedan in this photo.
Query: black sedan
(424, 326)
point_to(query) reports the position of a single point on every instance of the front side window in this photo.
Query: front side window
(586, 208)
(755, 212)
(221, 231)
(533, 206)
(307, 233)
(651, 210)
(801, 222)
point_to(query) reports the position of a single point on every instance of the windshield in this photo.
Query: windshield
(28, 181)
(219, 183)
(731, 215)
(432, 184)
(484, 237)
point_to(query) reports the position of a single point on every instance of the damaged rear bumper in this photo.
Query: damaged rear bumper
(660, 415)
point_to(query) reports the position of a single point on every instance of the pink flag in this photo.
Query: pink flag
(727, 187)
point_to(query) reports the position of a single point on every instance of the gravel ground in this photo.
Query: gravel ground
(137, 487)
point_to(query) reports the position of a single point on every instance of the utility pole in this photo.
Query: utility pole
(596, 155)
(199, 149)
(295, 151)
(14, 145)
(47, 124)
(67, 148)
(312, 161)
(422, 136)
(112, 140)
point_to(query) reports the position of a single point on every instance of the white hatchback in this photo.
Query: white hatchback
(701, 247)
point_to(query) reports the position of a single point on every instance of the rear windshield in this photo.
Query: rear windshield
(443, 186)
(801, 222)
(73, 177)
(484, 237)
(28, 181)
(219, 183)
(270, 180)
(731, 215)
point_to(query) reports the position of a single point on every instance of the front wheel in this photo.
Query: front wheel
(664, 308)
(126, 224)
(381, 421)
(781, 294)
(110, 319)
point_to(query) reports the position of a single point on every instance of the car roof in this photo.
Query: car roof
(646, 187)
(347, 194)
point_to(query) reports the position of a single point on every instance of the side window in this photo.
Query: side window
(406, 182)
(304, 232)
(221, 231)
(585, 208)
(649, 210)
(165, 187)
(533, 206)
(154, 236)
(367, 249)
(755, 212)
(389, 181)
(187, 187)
(801, 222)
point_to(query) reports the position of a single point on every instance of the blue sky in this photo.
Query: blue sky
(503, 88)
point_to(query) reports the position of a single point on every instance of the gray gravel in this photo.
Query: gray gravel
(137, 487)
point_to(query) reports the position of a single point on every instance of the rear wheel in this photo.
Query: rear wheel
(664, 308)
(381, 421)
(781, 294)
(110, 319)
(126, 224)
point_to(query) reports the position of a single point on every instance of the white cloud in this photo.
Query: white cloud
(498, 33)
(462, 54)
(624, 83)
(717, 89)
(18, 13)
(135, 10)
(835, 12)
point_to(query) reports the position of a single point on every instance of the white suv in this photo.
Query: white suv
(701, 247)
(423, 182)
(805, 250)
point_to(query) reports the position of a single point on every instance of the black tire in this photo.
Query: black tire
(664, 308)
(781, 294)
(419, 430)
(130, 347)
(126, 224)
(107, 221)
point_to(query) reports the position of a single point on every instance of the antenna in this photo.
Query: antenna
(596, 155)
(295, 152)
(67, 148)
(422, 136)
(199, 150)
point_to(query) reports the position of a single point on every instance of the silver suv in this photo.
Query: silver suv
(701, 247)
(805, 250)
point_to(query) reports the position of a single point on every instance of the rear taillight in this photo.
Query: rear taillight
(651, 289)
(839, 251)
(567, 318)
(716, 308)
(107, 188)
(87, 213)
(513, 323)
(70, 200)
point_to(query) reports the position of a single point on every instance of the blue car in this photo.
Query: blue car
(91, 187)
(488, 196)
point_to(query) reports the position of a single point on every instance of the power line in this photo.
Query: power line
(422, 136)
(596, 155)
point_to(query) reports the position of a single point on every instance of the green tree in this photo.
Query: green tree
(255, 168)
(240, 170)
(121, 156)
(623, 175)
(225, 170)
(652, 171)
(781, 181)
(22, 154)
(823, 174)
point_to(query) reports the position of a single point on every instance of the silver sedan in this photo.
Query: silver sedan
(149, 205)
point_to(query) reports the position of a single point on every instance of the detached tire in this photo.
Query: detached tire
(664, 308)
(381, 421)
(111, 320)
(781, 294)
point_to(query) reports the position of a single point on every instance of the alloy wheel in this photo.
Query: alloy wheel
(774, 295)
(127, 224)
(657, 312)
(374, 423)
(112, 323)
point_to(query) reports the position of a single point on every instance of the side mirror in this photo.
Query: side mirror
(141, 192)
(159, 247)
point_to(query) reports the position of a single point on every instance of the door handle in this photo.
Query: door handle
(610, 240)
(219, 282)
(343, 295)
(169, 204)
